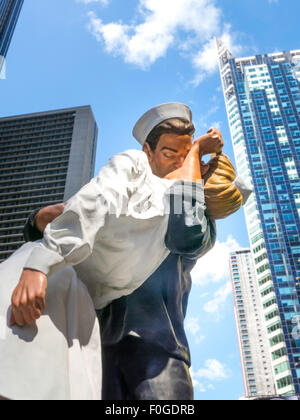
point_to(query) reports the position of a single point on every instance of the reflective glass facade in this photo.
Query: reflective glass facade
(45, 159)
(9, 14)
(262, 95)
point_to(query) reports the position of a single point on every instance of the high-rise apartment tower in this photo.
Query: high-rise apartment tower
(9, 14)
(262, 95)
(45, 159)
(252, 335)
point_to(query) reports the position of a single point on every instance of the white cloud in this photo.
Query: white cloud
(197, 384)
(213, 371)
(206, 60)
(201, 387)
(187, 25)
(192, 325)
(220, 297)
(214, 266)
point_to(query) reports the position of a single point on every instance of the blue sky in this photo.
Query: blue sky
(123, 57)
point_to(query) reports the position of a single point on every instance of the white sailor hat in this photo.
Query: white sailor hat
(157, 115)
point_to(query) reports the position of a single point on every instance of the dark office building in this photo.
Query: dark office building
(45, 159)
(9, 14)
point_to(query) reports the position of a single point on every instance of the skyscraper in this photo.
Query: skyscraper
(45, 159)
(252, 335)
(262, 95)
(9, 14)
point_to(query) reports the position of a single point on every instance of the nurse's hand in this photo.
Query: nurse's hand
(29, 298)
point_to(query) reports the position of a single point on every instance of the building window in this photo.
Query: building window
(282, 383)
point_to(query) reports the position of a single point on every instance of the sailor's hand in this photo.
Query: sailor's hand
(212, 142)
(193, 169)
(47, 215)
(29, 298)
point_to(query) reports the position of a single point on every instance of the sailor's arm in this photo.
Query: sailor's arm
(69, 239)
(190, 231)
(193, 168)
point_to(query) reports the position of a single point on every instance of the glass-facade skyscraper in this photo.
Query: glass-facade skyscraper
(262, 96)
(9, 14)
(45, 159)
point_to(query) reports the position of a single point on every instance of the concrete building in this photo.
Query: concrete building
(262, 96)
(252, 336)
(45, 159)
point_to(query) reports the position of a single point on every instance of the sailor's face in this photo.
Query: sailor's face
(170, 153)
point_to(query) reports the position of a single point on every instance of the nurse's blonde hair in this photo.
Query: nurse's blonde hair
(222, 197)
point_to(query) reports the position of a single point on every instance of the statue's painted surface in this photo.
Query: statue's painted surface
(124, 245)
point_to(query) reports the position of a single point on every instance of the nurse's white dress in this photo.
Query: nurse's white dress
(107, 242)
